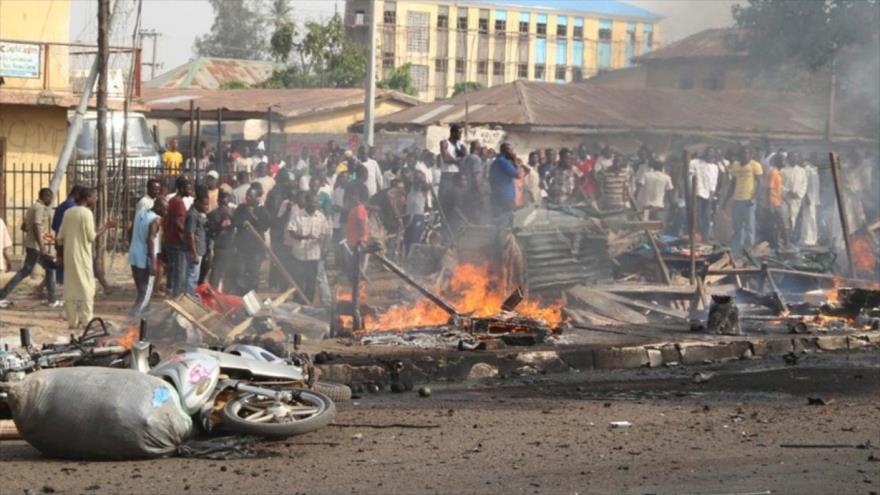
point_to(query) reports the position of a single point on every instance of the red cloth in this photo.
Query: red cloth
(357, 228)
(588, 183)
(172, 233)
(218, 301)
(274, 168)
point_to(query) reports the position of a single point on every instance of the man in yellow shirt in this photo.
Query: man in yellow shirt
(746, 174)
(172, 159)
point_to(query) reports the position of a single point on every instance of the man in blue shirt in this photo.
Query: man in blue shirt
(502, 175)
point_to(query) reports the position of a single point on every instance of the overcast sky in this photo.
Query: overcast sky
(180, 21)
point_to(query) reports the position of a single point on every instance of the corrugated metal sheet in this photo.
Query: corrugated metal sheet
(595, 107)
(707, 43)
(211, 73)
(285, 102)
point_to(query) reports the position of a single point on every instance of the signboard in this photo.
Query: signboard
(20, 60)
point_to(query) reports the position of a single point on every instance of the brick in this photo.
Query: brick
(620, 358)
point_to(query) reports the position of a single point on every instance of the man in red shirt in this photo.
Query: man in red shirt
(586, 166)
(173, 243)
(357, 227)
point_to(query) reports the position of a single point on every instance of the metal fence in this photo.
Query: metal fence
(21, 183)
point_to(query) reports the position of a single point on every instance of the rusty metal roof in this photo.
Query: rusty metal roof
(211, 73)
(719, 42)
(590, 108)
(253, 103)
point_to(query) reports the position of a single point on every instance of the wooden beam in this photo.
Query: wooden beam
(192, 319)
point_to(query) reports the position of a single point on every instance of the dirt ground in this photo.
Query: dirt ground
(747, 429)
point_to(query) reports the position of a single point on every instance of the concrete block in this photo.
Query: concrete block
(832, 342)
(778, 346)
(481, 371)
(873, 338)
(580, 359)
(620, 358)
(698, 353)
(759, 347)
(805, 344)
(857, 341)
(543, 361)
(670, 354)
(655, 358)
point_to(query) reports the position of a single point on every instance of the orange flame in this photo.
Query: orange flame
(471, 290)
(864, 259)
(129, 337)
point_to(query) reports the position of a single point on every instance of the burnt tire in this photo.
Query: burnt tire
(336, 391)
(235, 415)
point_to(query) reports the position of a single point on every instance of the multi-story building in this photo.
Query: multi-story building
(448, 42)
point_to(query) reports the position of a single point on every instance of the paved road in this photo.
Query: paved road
(727, 435)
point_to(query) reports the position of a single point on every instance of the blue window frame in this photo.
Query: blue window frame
(604, 44)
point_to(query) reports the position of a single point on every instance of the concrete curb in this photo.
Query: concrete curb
(456, 366)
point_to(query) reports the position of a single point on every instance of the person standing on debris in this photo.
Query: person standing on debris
(452, 154)
(414, 214)
(706, 172)
(773, 221)
(744, 190)
(173, 238)
(221, 234)
(653, 186)
(561, 182)
(196, 239)
(78, 235)
(250, 249)
(812, 201)
(36, 230)
(143, 253)
(794, 188)
(308, 231)
(172, 159)
(502, 174)
(614, 184)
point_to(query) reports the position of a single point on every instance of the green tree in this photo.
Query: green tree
(323, 57)
(236, 32)
(234, 84)
(399, 80)
(793, 41)
(469, 86)
(282, 41)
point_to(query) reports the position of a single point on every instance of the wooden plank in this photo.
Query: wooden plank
(656, 308)
(246, 323)
(586, 317)
(186, 314)
(604, 306)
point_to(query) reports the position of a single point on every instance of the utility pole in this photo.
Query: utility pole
(151, 33)
(370, 100)
(76, 122)
(101, 99)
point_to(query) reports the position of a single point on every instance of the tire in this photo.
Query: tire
(336, 391)
(238, 424)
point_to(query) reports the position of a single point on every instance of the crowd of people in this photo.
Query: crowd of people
(303, 212)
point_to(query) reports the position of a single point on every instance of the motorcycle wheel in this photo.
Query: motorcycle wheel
(336, 391)
(253, 414)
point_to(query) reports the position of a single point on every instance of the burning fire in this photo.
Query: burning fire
(471, 290)
(128, 338)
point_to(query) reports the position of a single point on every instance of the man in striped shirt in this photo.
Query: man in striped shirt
(614, 183)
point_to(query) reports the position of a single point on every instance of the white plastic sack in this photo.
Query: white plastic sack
(98, 413)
